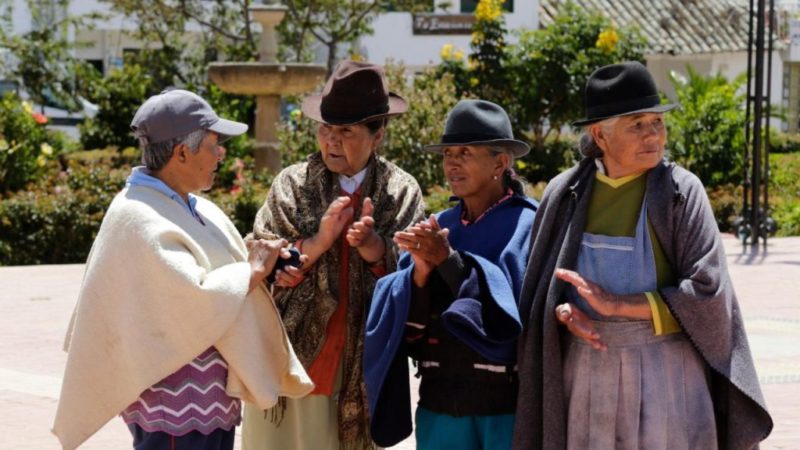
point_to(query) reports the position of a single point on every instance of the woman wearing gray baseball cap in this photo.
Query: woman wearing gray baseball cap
(340, 208)
(163, 333)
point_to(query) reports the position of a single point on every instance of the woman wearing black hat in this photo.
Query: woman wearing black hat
(633, 336)
(341, 209)
(452, 305)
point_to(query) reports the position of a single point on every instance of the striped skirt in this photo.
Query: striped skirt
(645, 392)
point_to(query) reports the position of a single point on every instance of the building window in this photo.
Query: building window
(468, 6)
(97, 64)
(413, 6)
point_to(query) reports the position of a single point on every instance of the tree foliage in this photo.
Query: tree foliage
(41, 59)
(540, 79)
(706, 134)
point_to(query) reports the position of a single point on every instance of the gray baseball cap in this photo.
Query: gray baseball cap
(175, 113)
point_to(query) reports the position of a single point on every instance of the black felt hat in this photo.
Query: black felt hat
(355, 93)
(620, 90)
(479, 122)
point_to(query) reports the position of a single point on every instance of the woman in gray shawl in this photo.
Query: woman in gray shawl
(341, 209)
(632, 335)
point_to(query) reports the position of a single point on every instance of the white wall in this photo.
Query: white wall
(730, 65)
(393, 36)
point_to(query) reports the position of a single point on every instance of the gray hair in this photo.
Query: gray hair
(155, 156)
(587, 145)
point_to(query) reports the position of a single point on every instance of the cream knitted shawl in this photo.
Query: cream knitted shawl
(159, 289)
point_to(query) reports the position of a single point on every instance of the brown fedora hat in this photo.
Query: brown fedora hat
(356, 92)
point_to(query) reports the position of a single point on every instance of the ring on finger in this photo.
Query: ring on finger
(418, 245)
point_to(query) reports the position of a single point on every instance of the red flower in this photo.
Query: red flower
(235, 190)
(40, 118)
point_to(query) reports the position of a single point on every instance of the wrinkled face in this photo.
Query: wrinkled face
(204, 163)
(470, 169)
(346, 148)
(631, 144)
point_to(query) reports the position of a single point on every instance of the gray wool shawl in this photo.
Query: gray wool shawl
(703, 302)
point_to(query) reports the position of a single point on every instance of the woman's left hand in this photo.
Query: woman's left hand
(362, 236)
(606, 304)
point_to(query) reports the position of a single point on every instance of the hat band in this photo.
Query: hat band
(334, 117)
(622, 107)
(463, 138)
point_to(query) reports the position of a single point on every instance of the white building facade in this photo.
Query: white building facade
(416, 40)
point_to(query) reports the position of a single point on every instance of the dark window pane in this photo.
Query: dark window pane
(468, 6)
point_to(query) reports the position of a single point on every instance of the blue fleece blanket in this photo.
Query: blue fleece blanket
(483, 315)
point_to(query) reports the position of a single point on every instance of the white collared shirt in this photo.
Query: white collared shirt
(350, 184)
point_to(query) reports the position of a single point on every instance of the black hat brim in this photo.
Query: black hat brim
(653, 109)
(311, 109)
(517, 148)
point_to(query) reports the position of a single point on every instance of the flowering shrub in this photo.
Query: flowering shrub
(25, 145)
(607, 40)
(56, 218)
(539, 79)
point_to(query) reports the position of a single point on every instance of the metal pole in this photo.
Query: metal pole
(757, 119)
(747, 123)
(763, 218)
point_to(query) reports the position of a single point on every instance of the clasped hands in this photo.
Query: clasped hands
(428, 245)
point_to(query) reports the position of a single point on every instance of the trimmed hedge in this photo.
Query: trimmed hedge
(56, 220)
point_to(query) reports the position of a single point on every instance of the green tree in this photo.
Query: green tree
(706, 134)
(549, 67)
(540, 79)
(41, 59)
(117, 95)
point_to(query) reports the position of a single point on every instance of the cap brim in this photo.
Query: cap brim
(311, 109)
(228, 129)
(517, 148)
(656, 109)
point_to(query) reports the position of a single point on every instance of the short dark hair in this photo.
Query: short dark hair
(374, 125)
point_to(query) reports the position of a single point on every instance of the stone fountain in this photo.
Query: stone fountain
(267, 79)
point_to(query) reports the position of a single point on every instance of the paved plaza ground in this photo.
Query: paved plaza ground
(36, 303)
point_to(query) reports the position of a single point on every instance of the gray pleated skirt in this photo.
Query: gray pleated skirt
(645, 392)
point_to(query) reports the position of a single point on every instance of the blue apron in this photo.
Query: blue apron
(645, 391)
(619, 264)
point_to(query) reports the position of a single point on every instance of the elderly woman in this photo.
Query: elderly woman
(173, 325)
(341, 209)
(633, 336)
(452, 305)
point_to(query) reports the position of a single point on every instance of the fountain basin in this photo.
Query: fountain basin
(260, 78)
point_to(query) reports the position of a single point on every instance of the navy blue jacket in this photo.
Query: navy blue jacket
(483, 315)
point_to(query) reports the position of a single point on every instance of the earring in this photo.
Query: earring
(494, 177)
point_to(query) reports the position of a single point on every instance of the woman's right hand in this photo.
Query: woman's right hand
(579, 324)
(333, 222)
(262, 256)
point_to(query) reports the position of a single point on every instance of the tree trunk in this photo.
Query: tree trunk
(333, 46)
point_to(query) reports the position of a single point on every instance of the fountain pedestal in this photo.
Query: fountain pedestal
(267, 79)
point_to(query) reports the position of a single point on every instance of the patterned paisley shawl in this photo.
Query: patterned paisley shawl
(296, 202)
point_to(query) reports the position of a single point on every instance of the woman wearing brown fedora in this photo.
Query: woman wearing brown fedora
(340, 208)
(632, 334)
(452, 303)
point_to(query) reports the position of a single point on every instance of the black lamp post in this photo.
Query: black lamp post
(754, 222)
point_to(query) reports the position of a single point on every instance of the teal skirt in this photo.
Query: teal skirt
(439, 431)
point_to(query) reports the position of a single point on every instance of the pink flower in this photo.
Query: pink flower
(40, 118)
